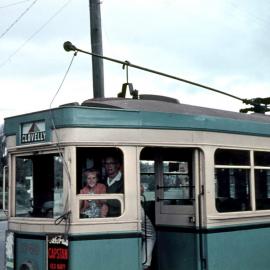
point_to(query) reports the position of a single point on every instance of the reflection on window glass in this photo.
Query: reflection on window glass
(39, 186)
(99, 208)
(147, 168)
(178, 187)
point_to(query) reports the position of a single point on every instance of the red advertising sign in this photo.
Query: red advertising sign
(57, 252)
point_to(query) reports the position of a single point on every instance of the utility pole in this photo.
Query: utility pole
(96, 44)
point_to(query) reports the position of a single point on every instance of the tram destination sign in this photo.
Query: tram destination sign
(57, 252)
(33, 132)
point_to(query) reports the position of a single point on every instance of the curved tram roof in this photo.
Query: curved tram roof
(155, 112)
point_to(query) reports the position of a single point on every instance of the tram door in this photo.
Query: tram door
(168, 179)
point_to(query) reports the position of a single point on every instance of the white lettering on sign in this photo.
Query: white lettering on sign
(33, 137)
(33, 132)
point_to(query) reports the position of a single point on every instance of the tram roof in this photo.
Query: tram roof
(149, 112)
(169, 105)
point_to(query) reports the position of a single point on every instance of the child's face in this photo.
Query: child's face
(92, 179)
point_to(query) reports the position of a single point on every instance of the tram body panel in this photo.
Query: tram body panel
(146, 137)
(177, 145)
(238, 249)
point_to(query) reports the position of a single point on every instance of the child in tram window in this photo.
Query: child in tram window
(93, 208)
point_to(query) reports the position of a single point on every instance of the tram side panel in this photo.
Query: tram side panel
(178, 250)
(104, 254)
(240, 249)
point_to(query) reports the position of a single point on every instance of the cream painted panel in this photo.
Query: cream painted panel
(10, 141)
(155, 136)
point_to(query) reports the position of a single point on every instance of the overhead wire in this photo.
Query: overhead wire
(2, 64)
(14, 4)
(66, 210)
(18, 19)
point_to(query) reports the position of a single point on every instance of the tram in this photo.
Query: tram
(205, 175)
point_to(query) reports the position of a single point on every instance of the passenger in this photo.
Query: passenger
(114, 182)
(93, 208)
(148, 238)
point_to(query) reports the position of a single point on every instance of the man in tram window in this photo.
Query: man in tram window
(93, 208)
(114, 182)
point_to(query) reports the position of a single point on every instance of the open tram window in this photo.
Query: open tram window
(39, 186)
(100, 182)
(232, 177)
(262, 180)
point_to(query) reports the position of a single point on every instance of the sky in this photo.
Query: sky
(223, 44)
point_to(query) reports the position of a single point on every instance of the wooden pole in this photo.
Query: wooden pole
(96, 44)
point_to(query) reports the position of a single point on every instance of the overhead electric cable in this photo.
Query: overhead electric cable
(17, 20)
(66, 210)
(14, 4)
(34, 34)
(68, 46)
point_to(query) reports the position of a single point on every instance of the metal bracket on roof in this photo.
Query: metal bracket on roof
(133, 93)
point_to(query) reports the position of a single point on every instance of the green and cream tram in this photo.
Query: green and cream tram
(205, 175)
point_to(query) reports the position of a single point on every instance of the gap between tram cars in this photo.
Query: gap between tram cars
(205, 175)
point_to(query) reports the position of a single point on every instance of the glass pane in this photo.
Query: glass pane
(178, 187)
(148, 179)
(100, 171)
(232, 190)
(39, 186)
(262, 189)
(24, 186)
(100, 208)
(147, 166)
(175, 167)
(262, 158)
(231, 157)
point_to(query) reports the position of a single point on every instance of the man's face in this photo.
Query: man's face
(111, 167)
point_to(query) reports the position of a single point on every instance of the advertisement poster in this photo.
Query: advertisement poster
(9, 250)
(57, 252)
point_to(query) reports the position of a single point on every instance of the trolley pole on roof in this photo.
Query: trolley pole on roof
(96, 44)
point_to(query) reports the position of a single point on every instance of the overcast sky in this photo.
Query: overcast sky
(220, 43)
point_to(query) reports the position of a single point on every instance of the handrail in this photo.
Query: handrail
(4, 189)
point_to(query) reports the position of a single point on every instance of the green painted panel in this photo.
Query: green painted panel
(108, 118)
(30, 251)
(177, 250)
(237, 250)
(104, 254)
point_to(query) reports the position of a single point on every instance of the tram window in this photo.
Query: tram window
(108, 164)
(262, 180)
(232, 184)
(262, 158)
(177, 182)
(231, 157)
(170, 169)
(147, 168)
(39, 186)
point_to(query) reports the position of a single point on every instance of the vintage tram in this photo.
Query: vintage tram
(205, 175)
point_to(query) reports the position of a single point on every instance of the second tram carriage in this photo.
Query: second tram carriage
(205, 172)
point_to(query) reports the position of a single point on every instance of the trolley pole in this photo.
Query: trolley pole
(96, 44)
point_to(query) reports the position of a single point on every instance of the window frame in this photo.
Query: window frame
(252, 184)
(109, 196)
(13, 180)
